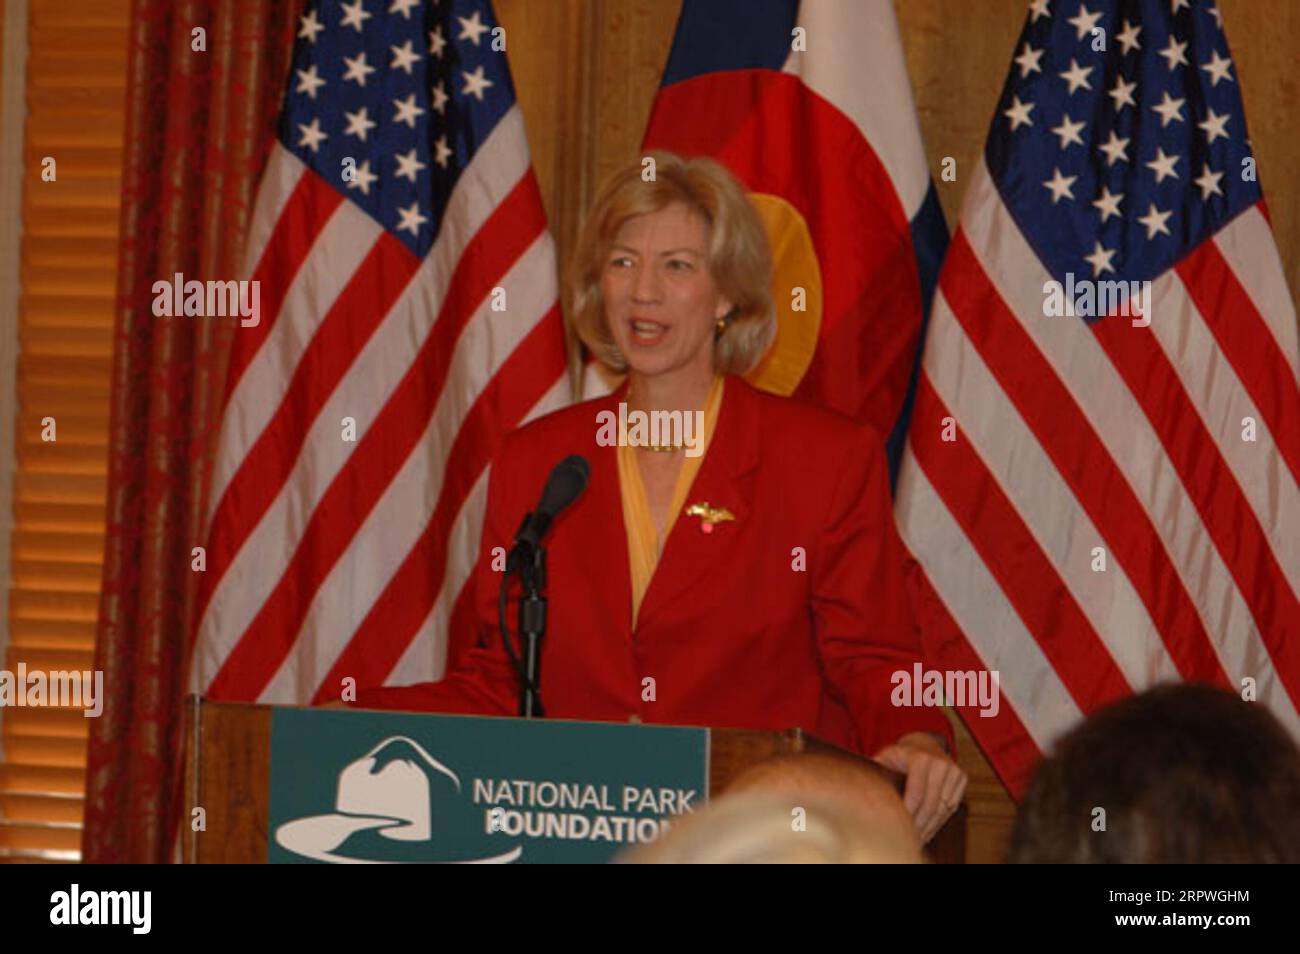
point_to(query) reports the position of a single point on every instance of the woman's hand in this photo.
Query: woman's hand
(935, 783)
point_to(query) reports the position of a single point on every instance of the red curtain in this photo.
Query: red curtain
(199, 124)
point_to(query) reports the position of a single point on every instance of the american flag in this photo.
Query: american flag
(1113, 503)
(410, 319)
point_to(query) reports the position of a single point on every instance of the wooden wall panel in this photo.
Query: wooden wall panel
(1264, 36)
(549, 47)
(634, 39)
(585, 73)
(958, 64)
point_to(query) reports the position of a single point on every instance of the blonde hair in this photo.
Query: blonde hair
(739, 257)
(761, 827)
(848, 813)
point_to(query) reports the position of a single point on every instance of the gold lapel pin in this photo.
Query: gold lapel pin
(709, 516)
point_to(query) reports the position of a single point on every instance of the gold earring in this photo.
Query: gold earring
(721, 325)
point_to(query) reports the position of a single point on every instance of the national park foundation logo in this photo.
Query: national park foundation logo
(385, 811)
(398, 804)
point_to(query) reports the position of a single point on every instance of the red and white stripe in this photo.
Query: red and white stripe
(868, 83)
(329, 559)
(1073, 436)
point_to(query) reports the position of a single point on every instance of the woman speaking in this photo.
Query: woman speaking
(748, 575)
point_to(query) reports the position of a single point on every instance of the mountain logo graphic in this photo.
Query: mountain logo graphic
(396, 804)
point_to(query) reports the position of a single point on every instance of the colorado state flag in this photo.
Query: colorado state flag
(809, 105)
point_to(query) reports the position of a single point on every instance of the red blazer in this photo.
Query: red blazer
(731, 631)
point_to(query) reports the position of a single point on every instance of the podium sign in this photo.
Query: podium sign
(384, 787)
(285, 784)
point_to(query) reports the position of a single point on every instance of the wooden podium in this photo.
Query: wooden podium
(227, 772)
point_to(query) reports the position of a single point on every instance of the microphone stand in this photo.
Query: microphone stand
(528, 558)
(529, 561)
(532, 627)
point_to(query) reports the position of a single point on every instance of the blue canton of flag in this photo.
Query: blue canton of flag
(1120, 139)
(389, 102)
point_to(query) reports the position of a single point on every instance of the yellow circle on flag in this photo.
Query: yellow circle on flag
(796, 284)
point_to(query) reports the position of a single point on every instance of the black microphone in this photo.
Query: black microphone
(567, 482)
(528, 559)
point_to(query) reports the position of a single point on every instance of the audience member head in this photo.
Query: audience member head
(794, 809)
(1180, 773)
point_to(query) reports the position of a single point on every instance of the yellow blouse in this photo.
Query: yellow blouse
(643, 543)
